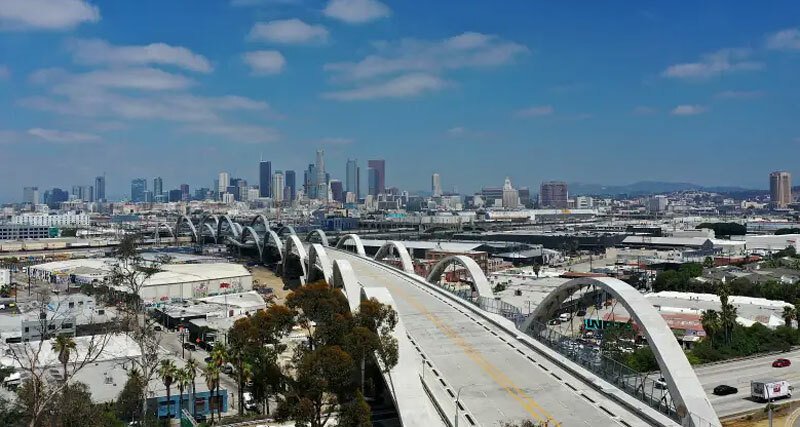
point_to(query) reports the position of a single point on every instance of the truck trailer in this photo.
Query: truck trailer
(769, 390)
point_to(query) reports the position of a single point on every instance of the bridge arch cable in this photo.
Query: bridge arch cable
(480, 284)
(323, 238)
(359, 246)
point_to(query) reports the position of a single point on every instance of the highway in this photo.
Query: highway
(499, 378)
(739, 374)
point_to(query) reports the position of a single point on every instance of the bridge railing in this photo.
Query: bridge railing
(642, 386)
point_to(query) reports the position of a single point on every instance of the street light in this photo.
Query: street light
(458, 396)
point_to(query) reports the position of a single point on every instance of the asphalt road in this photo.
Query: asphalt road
(498, 382)
(739, 374)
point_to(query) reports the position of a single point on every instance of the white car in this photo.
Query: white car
(249, 402)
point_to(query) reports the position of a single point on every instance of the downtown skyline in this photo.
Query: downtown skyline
(659, 93)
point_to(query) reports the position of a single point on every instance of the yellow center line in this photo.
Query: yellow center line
(530, 405)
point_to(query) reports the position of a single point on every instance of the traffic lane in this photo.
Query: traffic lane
(498, 383)
(739, 374)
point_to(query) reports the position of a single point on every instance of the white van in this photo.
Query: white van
(249, 401)
(565, 317)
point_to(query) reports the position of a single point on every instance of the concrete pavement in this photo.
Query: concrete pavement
(500, 380)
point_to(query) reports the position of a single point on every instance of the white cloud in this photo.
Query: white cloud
(149, 79)
(288, 31)
(401, 87)
(688, 110)
(467, 50)
(537, 111)
(714, 64)
(265, 61)
(740, 94)
(788, 39)
(52, 135)
(250, 3)
(46, 14)
(100, 52)
(356, 11)
(456, 131)
(5, 72)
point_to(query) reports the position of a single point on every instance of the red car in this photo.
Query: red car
(781, 363)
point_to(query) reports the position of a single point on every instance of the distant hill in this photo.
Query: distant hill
(646, 187)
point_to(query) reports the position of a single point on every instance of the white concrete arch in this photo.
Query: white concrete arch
(405, 258)
(234, 231)
(262, 219)
(163, 225)
(356, 241)
(238, 228)
(345, 279)
(322, 236)
(293, 242)
(479, 281)
(211, 231)
(272, 237)
(318, 256)
(287, 228)
(183, 219)
(682, 383)
(258, 241)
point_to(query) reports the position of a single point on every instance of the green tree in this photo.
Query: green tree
(64, 345)
(710, 320)
(356, 413)
(191, 373)
(129, 402)
(323, 378)
(183, 381)
(167, 371)
(211, 374)
(788, 315)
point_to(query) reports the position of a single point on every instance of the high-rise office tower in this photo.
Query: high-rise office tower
(100, 188)
(380, 175)
(88, 193)
(373, 183)
(436, 185)
(510, 195)
(322, 182)
(352, 180)
(30, 195)
(780, 188)
(138, 187)
(291, 185)
(224, 182)
(264, 178)
(553, 194)
(158, 186)
(337, 190)
(310, 181)
(185, 192)
(278, 183)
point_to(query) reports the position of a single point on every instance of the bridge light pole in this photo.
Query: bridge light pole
(458, 396)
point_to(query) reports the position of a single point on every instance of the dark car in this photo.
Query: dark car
(724, 390)
(189, 346)
(781, 363)
(208, 359)
(156, 328)
(581, 313)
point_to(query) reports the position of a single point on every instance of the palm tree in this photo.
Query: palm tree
(191, 374)
(182, 380)
(211, 372)
(711, 323)
(219, 354)
(167, 372)
(788, 315)
(63, 345)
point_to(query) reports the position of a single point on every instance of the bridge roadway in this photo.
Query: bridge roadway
(497, 382)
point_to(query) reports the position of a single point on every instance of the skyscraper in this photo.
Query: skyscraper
(310, 181)
(780, 188)
(379, 166)
(100, 188)
(337, 191)
(158, 186)
(264, 179)
(322, 182)
(138, 187)
(224, 182)
(278, 184)
(510, 195)
(553, 194)
(30, 195)
(436, 185)
(185, 192)
(352, 179)
(372, 181)
(291, 185)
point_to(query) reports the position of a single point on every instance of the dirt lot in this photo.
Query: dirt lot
(780, 418)
(264, 278)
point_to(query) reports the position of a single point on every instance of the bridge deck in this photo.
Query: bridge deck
(500, 382)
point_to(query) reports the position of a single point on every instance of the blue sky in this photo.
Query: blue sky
(595, 92)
